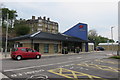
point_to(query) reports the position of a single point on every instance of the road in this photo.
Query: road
(87, 66)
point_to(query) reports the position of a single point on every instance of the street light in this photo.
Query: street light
(112, 37)
(6, 35)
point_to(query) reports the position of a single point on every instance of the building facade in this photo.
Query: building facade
(48, 42)
(42, 24)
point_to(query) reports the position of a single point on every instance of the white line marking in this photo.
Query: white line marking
(37, 66)
(74, 57)
(2, 76)
(78, 57)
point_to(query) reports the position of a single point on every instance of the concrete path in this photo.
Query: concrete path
(7, 55)
(110, 53)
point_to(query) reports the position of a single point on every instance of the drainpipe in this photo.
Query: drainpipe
(31, 43)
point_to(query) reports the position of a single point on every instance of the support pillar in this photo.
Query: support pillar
(86, 47)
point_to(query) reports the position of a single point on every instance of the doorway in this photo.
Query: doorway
(36, 46)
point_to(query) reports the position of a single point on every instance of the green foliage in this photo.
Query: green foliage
(12, 14)
(21, 29)
(97, 39)
(115, 57)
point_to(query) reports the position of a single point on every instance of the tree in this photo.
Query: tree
(92, 33)
(93, 36)
(22, 30)
(11, 16)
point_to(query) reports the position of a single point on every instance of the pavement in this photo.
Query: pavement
(7, 55)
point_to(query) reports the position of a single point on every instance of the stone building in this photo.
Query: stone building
(42, 24)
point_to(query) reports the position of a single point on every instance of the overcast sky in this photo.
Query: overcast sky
(100, 15)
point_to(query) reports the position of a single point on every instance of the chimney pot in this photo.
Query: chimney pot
(44, 18)
(39, 17)
(48, 19)
(33, 17)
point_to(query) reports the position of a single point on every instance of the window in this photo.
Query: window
(14, 49)
(39, 20)
(49, 30)
(39, 29)
(53, 28)
(23, 50)
(39, 24)
(46, 48)
(55, 48)
(29, 50)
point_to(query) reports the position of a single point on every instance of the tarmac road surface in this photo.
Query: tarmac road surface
(87, 66)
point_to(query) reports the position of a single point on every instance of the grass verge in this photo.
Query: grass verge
(115, 57)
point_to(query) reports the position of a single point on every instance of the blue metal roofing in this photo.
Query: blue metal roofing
(80, 31)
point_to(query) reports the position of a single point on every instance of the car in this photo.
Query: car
(24, 52)
(99, 49)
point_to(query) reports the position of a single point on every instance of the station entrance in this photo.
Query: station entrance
(74, 47)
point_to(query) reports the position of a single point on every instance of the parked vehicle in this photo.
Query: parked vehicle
(24, 52)
(99, 49)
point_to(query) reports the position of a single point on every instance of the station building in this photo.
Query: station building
(73, 40)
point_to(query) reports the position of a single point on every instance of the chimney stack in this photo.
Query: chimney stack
(44, 18)
(48, 19)
(33, 17)
(39, 17)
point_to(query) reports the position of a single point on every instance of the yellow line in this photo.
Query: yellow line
(59, 74)
(60, 70)
(74, 74)
(100, 67)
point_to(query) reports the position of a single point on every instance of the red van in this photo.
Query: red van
(24, 52)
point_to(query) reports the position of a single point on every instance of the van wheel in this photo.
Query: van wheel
(38, 57)
(18, 57)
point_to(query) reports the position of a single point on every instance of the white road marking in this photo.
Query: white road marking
(86, 69)
(71, 67)
(74, 57)
(78, 57)
(41, 76)
(38, 66)
(86, 61)
(2, 76)
(81, 67)
(27, 73)
(66, 65)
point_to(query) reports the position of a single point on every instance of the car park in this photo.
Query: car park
(24, 52)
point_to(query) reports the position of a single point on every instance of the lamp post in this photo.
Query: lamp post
(6, 36)
(112, 37)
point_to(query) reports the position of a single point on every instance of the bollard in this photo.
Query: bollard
(75, 50)
(64, 51)
(1, 50)
(118, 53)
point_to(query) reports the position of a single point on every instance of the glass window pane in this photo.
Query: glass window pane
(46, 48)
(55, 48)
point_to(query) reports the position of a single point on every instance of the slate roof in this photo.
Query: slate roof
(48, 36)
